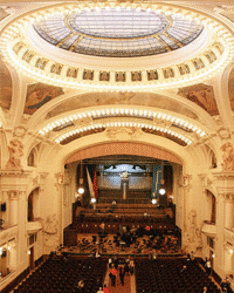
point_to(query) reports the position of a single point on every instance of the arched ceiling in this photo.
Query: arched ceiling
(131, 149)
(66, 94)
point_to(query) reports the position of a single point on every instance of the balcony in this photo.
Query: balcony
(34, 226)
(7, 233)
(209, 228)
(229, 235)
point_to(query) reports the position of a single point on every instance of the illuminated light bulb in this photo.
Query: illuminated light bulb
(162, 191)
(154, 201)
(93, 200)
(81, 190)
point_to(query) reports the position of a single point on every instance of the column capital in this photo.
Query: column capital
(228, 196)
(14, 194)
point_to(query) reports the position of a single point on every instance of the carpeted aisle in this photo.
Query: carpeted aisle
(119, 288)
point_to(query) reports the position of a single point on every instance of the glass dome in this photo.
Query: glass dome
(118, 32)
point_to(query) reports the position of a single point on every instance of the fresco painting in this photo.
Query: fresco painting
(231, 89)
(5, 87)
(202, 95)
(98, 99)
(3, 13)
(39, 94)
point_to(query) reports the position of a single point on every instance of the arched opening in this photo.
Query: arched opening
(33, 205)
(211, 207)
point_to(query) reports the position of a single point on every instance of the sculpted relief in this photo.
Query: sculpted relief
(15, 152)
(50, 233)
(123, 133)
(193, 240)
(228, 157)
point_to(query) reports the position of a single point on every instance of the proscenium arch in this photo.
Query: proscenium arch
(123, 148)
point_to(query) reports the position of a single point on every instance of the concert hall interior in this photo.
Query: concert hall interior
(117, 143)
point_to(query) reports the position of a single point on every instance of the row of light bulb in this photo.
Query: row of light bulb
(147, 7)
(122, 111)
(199, 76)
(122, 124)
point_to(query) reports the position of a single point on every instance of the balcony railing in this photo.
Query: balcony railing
(209, 228)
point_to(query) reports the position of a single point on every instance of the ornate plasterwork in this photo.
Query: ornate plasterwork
(50, 230)
(224, 133)
(14, 194)
(228, 157)
(229, 236)
(8, 234)
(229, 196)
(201, 63)
(193, 240)
(15, 152)
(123, 133)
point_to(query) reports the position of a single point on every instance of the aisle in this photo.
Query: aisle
(119, 288)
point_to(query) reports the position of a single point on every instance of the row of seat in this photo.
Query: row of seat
(171, 276)
(62, 274)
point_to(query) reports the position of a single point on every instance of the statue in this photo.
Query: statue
(228, 157)
(50, 233)
(16, 152)
(193, 239)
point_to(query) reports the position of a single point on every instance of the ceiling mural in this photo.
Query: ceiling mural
(226, 11)
(98, 99)
(3, 13)
(39, 94)
(202, 95)
(5, 87)
(231, 88)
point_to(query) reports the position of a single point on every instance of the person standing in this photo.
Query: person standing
(116, 262)
(105, 289)
(113, 275)
(122, 275)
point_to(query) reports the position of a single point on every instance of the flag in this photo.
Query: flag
(91, 190)
(95, 187)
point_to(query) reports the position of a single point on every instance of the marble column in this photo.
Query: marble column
(13, 207)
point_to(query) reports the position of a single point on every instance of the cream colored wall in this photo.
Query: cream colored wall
(191, 180)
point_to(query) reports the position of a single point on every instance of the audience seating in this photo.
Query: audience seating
(59, 274)
(170, 276)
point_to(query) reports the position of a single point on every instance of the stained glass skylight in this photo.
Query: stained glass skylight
(118, 32)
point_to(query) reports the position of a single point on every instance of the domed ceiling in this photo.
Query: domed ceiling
(118, 31)
(87, 45)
